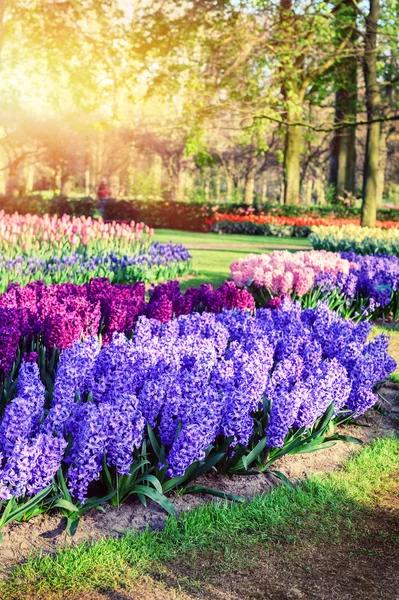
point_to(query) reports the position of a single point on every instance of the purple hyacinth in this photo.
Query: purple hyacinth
(194, 378)
(31, 466)
(22, 415)
(110, 429)
(74, 376)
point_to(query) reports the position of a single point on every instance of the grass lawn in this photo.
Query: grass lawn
(332, 538)
(213, 253)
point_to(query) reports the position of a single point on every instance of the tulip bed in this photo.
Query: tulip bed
(70, 249)
(351, 238)
(355, 286)
(284, 226)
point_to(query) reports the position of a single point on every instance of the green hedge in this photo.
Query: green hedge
(164, 214)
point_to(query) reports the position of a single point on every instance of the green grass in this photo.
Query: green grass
(211, 261)
(214, 239)
(316, 510)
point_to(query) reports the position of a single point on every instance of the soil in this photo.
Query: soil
(46, 533)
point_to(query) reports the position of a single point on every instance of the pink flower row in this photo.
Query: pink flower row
(23, 229)
(285, 272)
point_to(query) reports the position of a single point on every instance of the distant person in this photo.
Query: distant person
(103, 191)
(103, 194)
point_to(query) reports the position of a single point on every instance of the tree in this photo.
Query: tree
(373, 105)
(343, 147)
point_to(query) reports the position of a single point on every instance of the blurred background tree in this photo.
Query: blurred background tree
(217, 101)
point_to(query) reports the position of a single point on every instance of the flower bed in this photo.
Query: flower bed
(159, 263)
(281, 226)
(67, 249)
(57, 236)
(361, 240)
(203, 391)
(353, 285)
(54, 316)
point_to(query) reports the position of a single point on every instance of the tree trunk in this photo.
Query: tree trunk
(292, 157)
(29, 175)
(12, 181)
(176, 175)
(87, 182)
(217, 187)
(264, 188)
(343, 150)
(309, 191)
(66, 185)
(207, 189)
(250, 180)
(372, 154)
(293, 108)
(382, 164)
(156, 174)
(230, 188)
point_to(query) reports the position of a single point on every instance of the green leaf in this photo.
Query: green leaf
(158, 448)
(142, 499)
(156, 496)
(283, 478)
(207, 465)
(238, 454)
(155, 482)
(177, 481)
(63, 485)
(324, 421)
(72, 525)
(94, 502)
(66, 504)
(107, 475)
(14, 514)
(260, 446)
(313, 447)
(344, 438)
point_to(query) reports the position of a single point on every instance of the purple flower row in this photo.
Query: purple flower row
(81, 265)
(60, 314)
(194, 379)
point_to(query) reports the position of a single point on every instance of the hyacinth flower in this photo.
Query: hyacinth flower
(205, 390)
(357, 287)
(203, 376)
(57, 315)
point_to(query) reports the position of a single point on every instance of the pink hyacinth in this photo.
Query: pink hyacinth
(286, 272)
